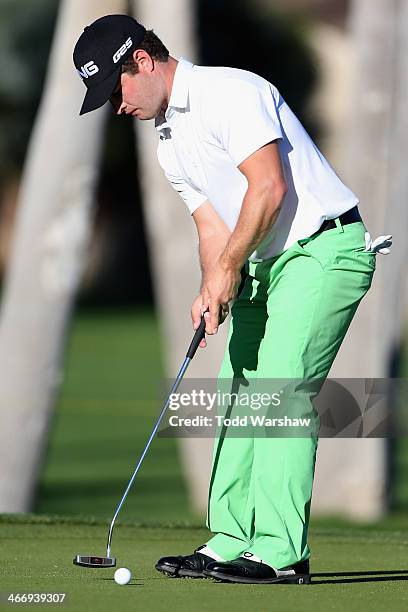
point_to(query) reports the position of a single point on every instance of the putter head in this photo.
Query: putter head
(87, 561)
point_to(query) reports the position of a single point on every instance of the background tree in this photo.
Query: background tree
(52, 230)
(374, 142)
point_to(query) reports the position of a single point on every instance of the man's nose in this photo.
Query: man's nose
(121, 109)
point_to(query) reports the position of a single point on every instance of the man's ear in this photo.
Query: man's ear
(143, 60)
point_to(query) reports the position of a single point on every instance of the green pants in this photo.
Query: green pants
(288, 322)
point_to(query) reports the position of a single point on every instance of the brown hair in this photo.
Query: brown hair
(153, 46)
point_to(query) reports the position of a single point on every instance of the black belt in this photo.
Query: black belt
(351, 216)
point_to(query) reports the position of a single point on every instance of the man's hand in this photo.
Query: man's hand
(196, 314)
(219, 288)
(214, 309)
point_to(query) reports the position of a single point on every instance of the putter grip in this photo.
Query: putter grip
(198, 336)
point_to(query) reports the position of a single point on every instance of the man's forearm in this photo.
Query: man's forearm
(259, 212)
(210, 249)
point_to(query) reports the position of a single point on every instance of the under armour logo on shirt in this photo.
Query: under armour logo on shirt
(164, 131)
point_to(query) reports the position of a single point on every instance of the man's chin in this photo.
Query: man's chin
(143, 116)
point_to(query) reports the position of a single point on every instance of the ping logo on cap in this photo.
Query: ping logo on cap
(122, 50)
(88, 69)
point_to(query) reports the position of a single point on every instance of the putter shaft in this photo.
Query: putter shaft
(139, 463)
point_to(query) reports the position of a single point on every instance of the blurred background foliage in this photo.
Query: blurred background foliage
(26, 29)
(271, 43)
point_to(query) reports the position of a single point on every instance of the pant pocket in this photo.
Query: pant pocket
(311, 248)
(365, 257)
(357, 261)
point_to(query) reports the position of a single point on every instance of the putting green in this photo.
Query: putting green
(353, 569)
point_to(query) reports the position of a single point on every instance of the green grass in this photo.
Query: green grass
(353, 569)
(108, 405)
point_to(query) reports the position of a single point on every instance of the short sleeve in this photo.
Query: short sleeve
(191, 196)
(245, 118)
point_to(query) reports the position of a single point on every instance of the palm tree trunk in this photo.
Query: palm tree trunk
(374, 141)
(54, 217)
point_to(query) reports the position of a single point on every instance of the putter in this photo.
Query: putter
(108, 561)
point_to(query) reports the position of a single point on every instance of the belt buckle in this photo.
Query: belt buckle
(328, 224)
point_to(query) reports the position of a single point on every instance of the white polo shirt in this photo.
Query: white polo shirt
(216, 118)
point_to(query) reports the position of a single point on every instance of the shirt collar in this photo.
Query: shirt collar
(179, 90)
(179, 93)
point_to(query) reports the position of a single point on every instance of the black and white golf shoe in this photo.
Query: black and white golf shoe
(244, 570)
(188, 566)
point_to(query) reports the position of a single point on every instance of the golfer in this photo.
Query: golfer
(274, 219)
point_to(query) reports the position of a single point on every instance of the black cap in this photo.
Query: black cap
(100, 52)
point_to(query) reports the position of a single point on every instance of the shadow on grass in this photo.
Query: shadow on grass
(100, 497)
(112, 486)
(377, 576)
(130, 584)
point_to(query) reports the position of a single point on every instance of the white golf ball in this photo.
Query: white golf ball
(123, 576)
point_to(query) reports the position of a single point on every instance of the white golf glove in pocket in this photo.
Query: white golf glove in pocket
(379, 245)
